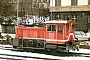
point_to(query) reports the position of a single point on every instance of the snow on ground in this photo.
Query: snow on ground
(17, 58)
(28, 54)
(62, 58)
(75, 58)
(43, 55)
(6, 45)
(86, 51)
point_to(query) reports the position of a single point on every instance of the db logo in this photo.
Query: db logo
(51, 35)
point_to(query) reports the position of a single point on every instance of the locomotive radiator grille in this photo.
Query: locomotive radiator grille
(30, 43)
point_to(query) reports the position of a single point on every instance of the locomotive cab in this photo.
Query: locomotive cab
(60, 34)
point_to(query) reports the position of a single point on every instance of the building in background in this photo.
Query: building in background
(37, 11)
(78, 10)
(27, 9)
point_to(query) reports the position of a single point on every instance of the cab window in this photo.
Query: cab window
(67, 27)
(73, 27)
(51, 27)
(60, 29)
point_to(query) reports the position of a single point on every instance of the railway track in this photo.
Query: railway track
(13, 56)
(6, 52)
(6, 47)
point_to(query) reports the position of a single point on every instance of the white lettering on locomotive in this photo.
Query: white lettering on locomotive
(51, 35)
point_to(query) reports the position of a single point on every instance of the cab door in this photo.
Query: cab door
(60, 32)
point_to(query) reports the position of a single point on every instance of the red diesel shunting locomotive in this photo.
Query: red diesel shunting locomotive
(57, 34)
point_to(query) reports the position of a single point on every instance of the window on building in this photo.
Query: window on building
(39, 0)
(28, 0)
(57, 16)
(9, 1)
(57, 2)
(89, 19)
(5, 1)
(48, 1)
(41, 6)
(15, 1)
(51, 27)
(88, 2)
(30, 5)
(37, 5)
(34, 1)
(74, 2)
(44, 1)
(74, 17)
(34, 6)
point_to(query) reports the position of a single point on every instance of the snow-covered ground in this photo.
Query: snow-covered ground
(12, 35)
(38, 55)
(80, 35)
(86, 51)
(75, 58)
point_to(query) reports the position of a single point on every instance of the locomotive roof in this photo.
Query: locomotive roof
(57, 21)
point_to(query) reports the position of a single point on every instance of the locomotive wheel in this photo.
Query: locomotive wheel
(15, 47)
(70, 45)
(27, 49)
(67, 47)
(34, 43)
